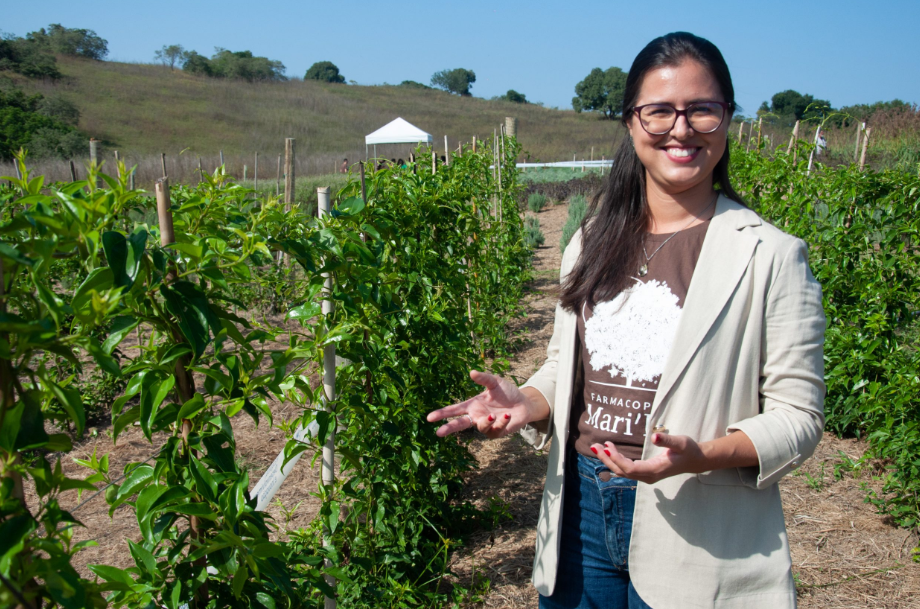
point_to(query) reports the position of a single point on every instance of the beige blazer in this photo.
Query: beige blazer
(748, 355)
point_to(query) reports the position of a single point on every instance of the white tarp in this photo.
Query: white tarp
(398, 131)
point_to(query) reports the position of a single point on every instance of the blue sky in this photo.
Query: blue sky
(844, 51)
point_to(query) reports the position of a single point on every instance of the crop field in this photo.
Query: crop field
(158, 350)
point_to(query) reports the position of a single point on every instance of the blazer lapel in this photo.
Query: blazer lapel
(723, 260)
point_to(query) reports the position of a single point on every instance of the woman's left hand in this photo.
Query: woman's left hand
(683, 455)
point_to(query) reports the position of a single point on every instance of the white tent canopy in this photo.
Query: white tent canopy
(398, 131)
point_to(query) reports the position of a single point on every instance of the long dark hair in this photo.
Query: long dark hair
(614, 227)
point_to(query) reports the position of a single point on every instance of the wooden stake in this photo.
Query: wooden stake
(511, 126)
(474, 143)
(278, 181)
(865, 149)
(163, 163)
(859, 129)
(255, 174)
(434, 162)
(795, 136)
(93, 157)
(573, 163)
(200, 170)
(750, 136)
(740, 131)
(759, 130)
(131, 178)
(446, 152)
(221, 157)
(592, 154)
(117, 166)
(73, 172)
(244, 172)
(328, 465)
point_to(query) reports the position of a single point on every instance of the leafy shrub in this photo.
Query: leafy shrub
(578, 208)
(533, 236)
(536, 202)
(71, 41)
(28, 58)
(325, 71)
(861, 230)
(234, 64)
(24, 125)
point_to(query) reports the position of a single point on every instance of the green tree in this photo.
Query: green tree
(27, 57)
(71, 41)
(791, 106)
(601, 91)
(196, 63)
(411, 84)
(26, 122)
(514, 97)
(458, 80)
(170, 55)
(325, 71)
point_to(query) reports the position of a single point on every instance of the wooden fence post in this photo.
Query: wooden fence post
(328, 465)
(244, 172)
(185, 383)
(474, 143)
(278, 180)
(200, 170)
(865, 149)
(511, 126)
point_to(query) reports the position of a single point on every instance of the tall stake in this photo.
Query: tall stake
(73, 172)
(859, 129)
(811, 156)
(163, 162)
(865, 149)
(795, 136)
(328, 468)
(740, 131)
(434, 162)
(446, 152)
(221, 157)
(200, 171)
(255, 174)
(117, 166)
(93, 157)
(759, 130)
(185, 383)
(278, 181)
(289, 183)
(474, 143)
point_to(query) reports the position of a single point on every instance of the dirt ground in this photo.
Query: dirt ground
(844, 554)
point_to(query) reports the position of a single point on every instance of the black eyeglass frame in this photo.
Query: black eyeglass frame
(726, 107)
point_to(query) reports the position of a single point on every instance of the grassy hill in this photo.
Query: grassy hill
(142, 110)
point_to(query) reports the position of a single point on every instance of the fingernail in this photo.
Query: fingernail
(607, 451)
(594, 449)
(507, 416)
(491, 418)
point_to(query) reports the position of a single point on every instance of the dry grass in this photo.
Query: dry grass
(143, 110)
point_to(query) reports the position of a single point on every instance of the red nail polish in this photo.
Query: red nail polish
(507, 416)
(594, 449)
(491, 418)
(607, 451)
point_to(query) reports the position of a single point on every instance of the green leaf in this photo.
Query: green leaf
(121, 326)
(98, 280)
(305, 311)
(125, 419)
(174, 353)
(350, 207)
(139, 478)
(72, 403)
(143, 558)
(112, 574)
(205, 484)
(192, 407)
(153, 392)
(189, 304)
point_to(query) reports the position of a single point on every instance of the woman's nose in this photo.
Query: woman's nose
(681, 128)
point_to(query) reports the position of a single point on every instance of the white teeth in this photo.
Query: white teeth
(681, 152)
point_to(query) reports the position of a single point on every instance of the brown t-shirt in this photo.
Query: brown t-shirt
(625, 343)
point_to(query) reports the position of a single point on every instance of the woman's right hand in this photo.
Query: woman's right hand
(498, 411)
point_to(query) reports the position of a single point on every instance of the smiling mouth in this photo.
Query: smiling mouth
(682, 152)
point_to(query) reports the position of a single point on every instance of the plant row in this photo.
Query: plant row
(427, 270)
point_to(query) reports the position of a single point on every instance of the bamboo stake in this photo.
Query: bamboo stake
(446, 152)
(750, 136)
(759, 130)
(859, 129)
(73, 172)
(93, 158)
(117, 166)
(221, 157)
(474, 143)
(200, 170)
(740, 131)
(255, 174)
(278, 181)
(795, 136)
(163, 162)
(865, 149)
(328, 466)
(289, 183)
(244, 172)
(434, 162)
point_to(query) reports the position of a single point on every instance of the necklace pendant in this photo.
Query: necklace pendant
(643, 270)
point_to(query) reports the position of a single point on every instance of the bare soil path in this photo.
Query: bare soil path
(844, 554)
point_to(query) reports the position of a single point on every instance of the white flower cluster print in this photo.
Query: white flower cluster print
(632, 334)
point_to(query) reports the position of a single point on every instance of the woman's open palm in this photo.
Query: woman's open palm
(499, 410)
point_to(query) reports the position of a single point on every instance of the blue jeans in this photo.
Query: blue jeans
(597, 514)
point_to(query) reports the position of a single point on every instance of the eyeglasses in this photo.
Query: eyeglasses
(703, 117)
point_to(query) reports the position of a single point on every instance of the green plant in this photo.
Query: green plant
(404, 266)
(458, 80)
(325, 71)
(578, 208)
(862, 229)
(536, 202)
(533, 236)
(601, 91)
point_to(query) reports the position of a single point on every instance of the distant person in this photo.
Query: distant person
(344, 166)
(821, 144)
(401, 163)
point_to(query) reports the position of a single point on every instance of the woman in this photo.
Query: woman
(676, 405)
